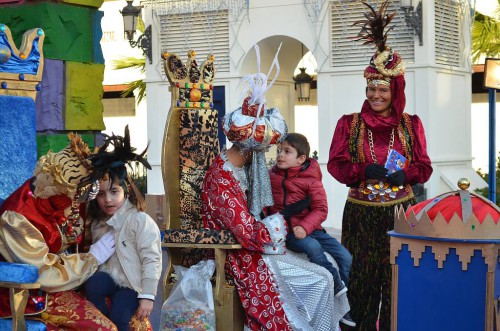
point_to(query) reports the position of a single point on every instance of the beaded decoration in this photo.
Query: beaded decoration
(376, 190)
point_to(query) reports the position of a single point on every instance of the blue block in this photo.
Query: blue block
(449, 298)
(17, 142)
(18, 272)
(97, 36)
(6, 325)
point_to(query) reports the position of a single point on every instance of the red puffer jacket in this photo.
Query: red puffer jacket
(295, 184)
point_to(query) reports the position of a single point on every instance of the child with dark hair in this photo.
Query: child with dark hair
(296, 177)
(130, 277)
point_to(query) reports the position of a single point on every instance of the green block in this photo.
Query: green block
(57, 142)
(84, 93)
(68, 28)
(88, 3)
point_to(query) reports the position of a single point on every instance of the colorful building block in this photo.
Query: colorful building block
(88, 3)
(68, 36)
(84, 91)
(57, 142)
(97, 35)
(49, 104)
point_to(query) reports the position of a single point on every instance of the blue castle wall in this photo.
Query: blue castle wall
(18, 154)
(448, 298)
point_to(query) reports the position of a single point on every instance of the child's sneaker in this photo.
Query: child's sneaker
(339, 288)
(347, 320)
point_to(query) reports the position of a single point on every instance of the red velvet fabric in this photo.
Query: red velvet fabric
(451, 205)
(295, 184)
(345, 171)
(378, 123)
(40, 212)
(69, 311)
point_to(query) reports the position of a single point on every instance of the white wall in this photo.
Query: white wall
(441, 96)
(115, 46)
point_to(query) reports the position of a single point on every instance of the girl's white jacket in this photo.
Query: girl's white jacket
(138, 249)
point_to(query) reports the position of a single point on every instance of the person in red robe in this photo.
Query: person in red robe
(278, 289)
(40, 225)
(359, 150)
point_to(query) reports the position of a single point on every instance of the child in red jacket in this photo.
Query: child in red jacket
(296, 177)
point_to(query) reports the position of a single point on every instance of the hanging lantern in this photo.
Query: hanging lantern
(130, 14)
(303, 84)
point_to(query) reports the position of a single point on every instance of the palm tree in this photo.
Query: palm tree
(137, 63)
(132, 62)
(486, 42)
(486, 35)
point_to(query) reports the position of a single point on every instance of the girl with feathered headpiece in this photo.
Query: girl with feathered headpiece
(130, 277)
(40, 225)
(362, 149)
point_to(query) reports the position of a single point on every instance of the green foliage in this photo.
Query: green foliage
(485, 176)
(486, 35)
(315, 155)
(138, 174)
(486, 41)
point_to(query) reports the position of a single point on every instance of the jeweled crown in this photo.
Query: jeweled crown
(21, 69)
(191, 86)
(480, 218)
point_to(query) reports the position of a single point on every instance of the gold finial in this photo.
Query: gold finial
(463, 183)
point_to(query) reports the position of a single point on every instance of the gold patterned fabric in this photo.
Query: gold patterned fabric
(21, 242)
(69, 311)
(137, 324)
(199, 145)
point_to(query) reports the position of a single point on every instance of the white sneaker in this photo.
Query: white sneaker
(341, 289)
(347, 320)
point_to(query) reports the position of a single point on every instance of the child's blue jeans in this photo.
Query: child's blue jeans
(316, 244)
(124, 301)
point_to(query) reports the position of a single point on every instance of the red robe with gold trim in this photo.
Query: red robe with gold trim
(29, 234)
(225, 207)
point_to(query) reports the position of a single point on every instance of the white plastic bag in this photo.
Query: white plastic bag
(190, 306)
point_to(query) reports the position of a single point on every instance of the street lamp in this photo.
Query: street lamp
(413, 17)
(303, 81)
(492, 83)
(130, 14)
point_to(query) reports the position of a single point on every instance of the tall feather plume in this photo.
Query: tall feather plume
(115, 162)
(372, 29)
(256, 85)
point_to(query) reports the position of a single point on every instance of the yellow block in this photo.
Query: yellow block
(88, 3)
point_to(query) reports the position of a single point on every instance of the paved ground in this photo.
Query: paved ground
(336, 233)
(155, 316)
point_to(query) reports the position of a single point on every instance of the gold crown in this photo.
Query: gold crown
(21, 69)
(468, 227)
(191, 86)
